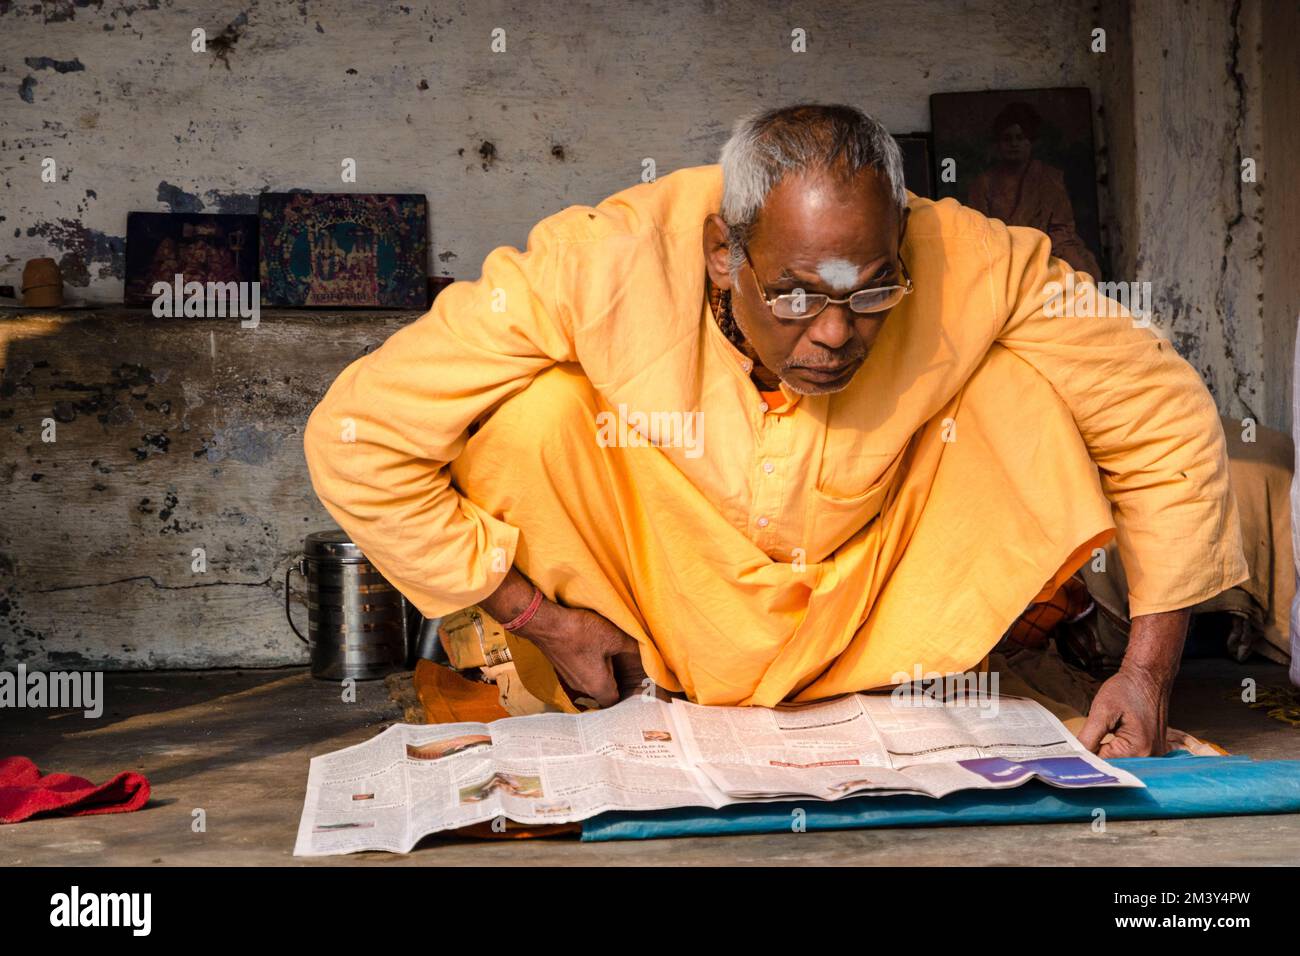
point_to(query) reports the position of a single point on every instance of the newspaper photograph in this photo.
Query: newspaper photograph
(413, 780)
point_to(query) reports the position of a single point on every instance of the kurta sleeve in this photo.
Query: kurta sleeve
(379, 443)
(1148, 420)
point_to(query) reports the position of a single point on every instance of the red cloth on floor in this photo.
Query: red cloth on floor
(25, 793)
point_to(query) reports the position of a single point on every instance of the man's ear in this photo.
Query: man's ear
(902, 225)
(717, 255)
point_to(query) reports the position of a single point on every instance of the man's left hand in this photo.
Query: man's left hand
(1134, 703)
(1134, 706)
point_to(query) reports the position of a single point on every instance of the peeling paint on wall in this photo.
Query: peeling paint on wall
(223, 44)
(1198, 226)
(178, 200)
(123, 499)
(83, 249)
(245, 443)
(63, 11)
(58, 66)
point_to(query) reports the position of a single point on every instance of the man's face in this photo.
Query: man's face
(1013, 145)
(820, 234)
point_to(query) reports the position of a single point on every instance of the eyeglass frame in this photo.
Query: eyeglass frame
(902, 267)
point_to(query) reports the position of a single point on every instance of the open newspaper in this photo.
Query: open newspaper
(646, 754)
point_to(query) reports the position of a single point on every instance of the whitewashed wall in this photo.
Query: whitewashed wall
(413, 92)
(1199, 225)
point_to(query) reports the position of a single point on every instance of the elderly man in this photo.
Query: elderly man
(779, 430)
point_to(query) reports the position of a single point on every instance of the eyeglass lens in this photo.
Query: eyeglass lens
(864, 301)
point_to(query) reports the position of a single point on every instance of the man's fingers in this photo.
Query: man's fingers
(570, 692)
(629, 674)
(1121, 746)
(604, 671)
(1096, 727)
(605, 691)
(594, 684)
(1128, 744)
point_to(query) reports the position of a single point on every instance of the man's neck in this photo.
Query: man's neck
(763, 378)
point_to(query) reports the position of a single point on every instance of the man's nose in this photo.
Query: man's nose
(833, 327)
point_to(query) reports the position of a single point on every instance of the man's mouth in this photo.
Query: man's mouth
(831, 373)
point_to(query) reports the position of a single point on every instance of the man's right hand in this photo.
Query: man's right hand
(592, 658)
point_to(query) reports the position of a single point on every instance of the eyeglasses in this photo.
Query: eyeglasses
(803, 306)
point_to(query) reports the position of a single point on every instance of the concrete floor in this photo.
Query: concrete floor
(237, 744)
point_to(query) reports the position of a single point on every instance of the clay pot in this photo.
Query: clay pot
(42, 284)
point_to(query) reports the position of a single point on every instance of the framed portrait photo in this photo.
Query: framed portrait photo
(1025, 157)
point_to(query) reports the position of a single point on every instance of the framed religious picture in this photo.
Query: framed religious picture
(918, 173)
(1025, 157)
(196, 246)
(344, 250)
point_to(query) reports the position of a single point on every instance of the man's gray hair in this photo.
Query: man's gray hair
(765, 146)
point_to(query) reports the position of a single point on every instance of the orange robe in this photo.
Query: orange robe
(980, 454)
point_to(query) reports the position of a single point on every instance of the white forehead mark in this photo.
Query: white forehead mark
(840, 274)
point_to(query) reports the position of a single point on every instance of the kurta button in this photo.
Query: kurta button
(747, 365)
(762, 522)
(768, 467)
(762, 407)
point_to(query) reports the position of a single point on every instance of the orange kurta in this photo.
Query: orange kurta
(788, 552)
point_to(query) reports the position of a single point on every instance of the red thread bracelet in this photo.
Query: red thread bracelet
(527, 614)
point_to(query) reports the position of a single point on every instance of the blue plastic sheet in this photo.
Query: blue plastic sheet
(1177, 785)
